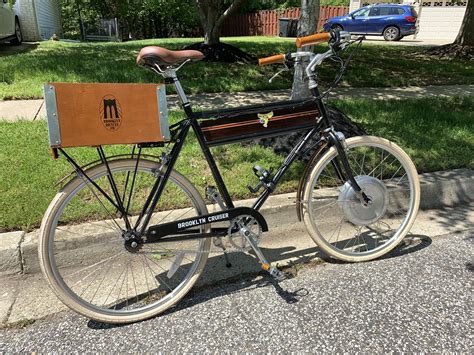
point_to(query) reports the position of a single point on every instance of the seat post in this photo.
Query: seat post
(171, 74)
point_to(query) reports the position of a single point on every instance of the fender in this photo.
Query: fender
(96, 162)
(307, 170)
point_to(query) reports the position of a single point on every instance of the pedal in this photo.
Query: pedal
(264, 176)
(275, 273)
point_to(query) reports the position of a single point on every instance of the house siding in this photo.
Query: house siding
(39, 19)
(49, 18)
(27, 15)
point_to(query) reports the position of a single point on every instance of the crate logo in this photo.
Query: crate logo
(110, 112)
(265, 117)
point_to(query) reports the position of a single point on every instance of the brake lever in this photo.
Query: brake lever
(278, 73)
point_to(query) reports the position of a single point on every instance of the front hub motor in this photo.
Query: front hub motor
(356, 209)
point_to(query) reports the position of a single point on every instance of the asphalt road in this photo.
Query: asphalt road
(418, 299)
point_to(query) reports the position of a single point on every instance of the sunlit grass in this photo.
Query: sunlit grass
(437, 133)
(22, 75)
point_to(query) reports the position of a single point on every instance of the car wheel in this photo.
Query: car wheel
(391, 33)
(18, 36)
(337, 27)
(399, 38)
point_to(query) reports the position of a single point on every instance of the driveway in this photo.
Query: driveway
(408, 41)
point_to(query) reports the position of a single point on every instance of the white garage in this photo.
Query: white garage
(438, 19)
(39, 19)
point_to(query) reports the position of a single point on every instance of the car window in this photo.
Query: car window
(375, 11)
(395, 11)
(383, 11)
(361, 13)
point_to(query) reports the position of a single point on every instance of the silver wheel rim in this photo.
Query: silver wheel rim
(103, 310)
(316, 216)
(391, 33)
(18, 32)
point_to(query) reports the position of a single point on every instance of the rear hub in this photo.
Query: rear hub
(132, 242)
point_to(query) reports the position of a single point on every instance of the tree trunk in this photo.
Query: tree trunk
(466, 33)
(212, 14)
(306, 26)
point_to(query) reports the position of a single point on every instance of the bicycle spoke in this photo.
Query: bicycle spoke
(336, 218)
(108, 275)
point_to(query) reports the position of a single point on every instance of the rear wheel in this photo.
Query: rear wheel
(340, 222)
(337, 27)
(93, 266)
(391, 33)
(18, 36)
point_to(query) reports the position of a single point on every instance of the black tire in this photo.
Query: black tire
(391, 33)
(18, 35)
(337, 27)
(399, 38)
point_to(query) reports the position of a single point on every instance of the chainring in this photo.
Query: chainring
(238, 226)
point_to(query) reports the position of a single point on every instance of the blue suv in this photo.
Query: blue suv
(391, 21)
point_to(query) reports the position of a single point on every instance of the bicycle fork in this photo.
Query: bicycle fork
(338, 140)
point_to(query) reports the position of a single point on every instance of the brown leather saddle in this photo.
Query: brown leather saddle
(154, 55)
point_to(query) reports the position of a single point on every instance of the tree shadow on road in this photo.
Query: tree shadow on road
(7, 49)
(252, 279)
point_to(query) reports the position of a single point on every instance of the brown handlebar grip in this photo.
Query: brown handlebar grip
(313, 39)
(279, 58)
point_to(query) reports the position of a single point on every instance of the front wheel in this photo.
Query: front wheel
(92, 264)
(341, 223)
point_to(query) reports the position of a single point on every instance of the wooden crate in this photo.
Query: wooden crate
(101, 114)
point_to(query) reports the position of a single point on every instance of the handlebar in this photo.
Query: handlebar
(313, 39)
(278, 58)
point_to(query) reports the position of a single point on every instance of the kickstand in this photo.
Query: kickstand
(227, 260)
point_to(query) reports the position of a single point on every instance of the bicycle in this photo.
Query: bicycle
(358, 198)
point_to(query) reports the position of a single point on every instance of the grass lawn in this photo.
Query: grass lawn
(437, 133)
(22, 75)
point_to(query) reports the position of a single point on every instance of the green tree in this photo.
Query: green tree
(212, 14)
(466, 32)
(463, 45)
(306, 26)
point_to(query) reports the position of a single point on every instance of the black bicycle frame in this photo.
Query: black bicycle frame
(154, 233)
(191, 122)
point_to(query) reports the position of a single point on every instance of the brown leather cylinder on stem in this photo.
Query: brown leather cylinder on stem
(313, 39)
(279, 58)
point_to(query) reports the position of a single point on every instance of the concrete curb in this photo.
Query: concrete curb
(18, 250)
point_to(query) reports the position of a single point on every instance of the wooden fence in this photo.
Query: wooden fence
(266, 22)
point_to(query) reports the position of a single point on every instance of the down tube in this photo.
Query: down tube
(282, 170)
